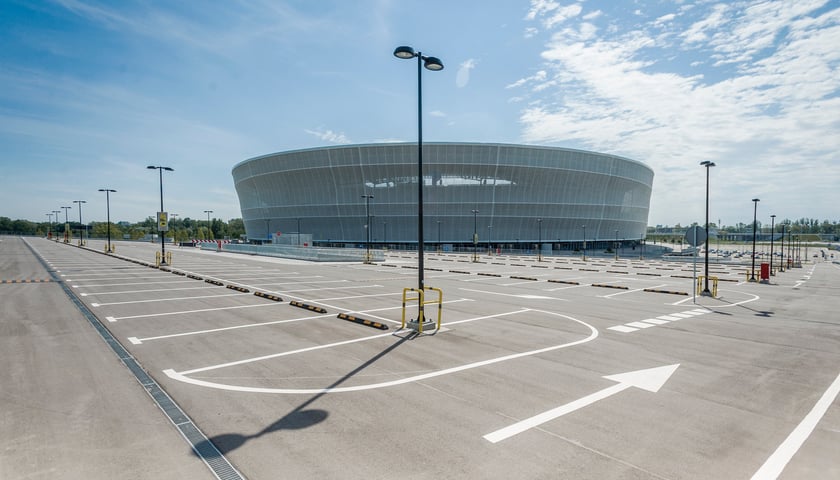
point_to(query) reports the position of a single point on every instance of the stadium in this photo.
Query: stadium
(509, 196)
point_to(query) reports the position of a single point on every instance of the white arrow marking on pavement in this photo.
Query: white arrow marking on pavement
(650, 379)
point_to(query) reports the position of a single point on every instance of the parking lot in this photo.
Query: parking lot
(560, 368)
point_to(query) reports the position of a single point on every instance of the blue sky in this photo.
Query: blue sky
(92, 92)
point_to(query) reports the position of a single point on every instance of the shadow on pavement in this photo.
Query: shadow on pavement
(297, 419)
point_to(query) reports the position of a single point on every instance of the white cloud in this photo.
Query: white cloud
(462, 78)
(551, 12)
(562, 14)
(593, 15)
(540, 76)
(698, 31)
(665, 18)
(540, 7)
(437, 113)
(780, 107)
(329, 136)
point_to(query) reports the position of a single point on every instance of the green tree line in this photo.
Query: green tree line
(182, 229)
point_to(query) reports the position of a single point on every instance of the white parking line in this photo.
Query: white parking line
(167, 299)
(132, 283)
(622, 329)
(623, 292)
(777, 462)
(514, 295)
(183, 312)
(182, 376)
(203, 287)
(138, 341)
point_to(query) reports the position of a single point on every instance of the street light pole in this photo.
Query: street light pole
(782, 250)
(298, 232)
(433, 64)
(755, 225)
(438, 245)
(772, 234)
(706, 292)
(49, 225)
(160, 169)
(367, 198)
(81, 225)
(584, 242)
(475, 235)
(209, 225)
(66, 240)
(56, 212)
(539, 240)
(108, 192)
(616, 245)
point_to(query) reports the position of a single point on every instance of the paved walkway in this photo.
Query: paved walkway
(68, 407)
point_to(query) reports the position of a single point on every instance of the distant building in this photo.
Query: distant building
(320, 192)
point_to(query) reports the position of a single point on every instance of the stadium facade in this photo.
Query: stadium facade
(521, 193)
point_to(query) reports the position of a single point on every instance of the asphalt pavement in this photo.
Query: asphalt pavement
(561, 368)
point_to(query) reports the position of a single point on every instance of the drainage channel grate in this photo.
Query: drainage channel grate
(203, 447)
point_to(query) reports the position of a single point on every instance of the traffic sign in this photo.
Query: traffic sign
(163, 221)
(695, 236)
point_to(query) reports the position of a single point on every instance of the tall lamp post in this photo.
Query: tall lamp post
(434, 64)
(81, 225)
(616, 245)
(209, 225)
(772, 234)
(475, 235)
(108, 193)
(438, 245)
(584, 242)
(706, 292)
(66, 240)
(174, 228)
(161, 219)
(56, 212)
(755, 224)
(782, 250)
(49, 225)
(539, 240)
(367, 198)
(298, 231)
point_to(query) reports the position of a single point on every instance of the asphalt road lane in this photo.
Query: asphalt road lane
(284, 389)
(68, 408)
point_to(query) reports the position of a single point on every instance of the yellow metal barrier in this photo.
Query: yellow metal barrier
(169, 258)
(712, 280)
(157, 259)
(421, 298)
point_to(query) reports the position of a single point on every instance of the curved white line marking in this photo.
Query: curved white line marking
(310, 391)
(729, 305)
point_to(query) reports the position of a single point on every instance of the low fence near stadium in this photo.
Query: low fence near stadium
(315, 254)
